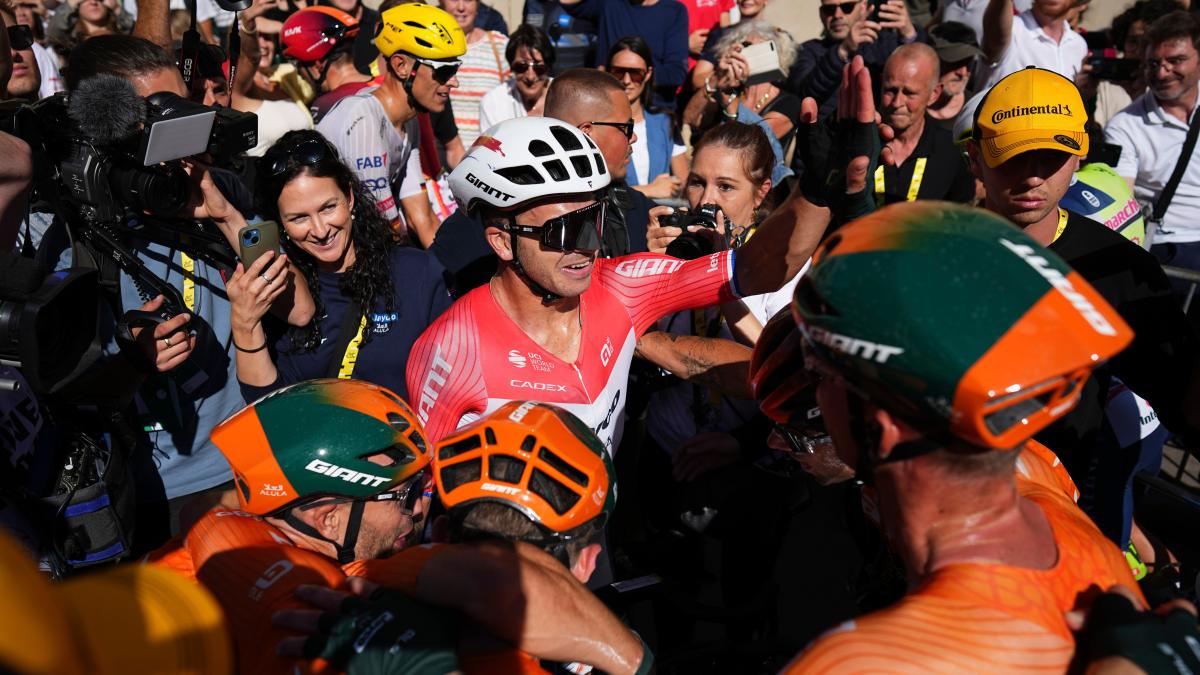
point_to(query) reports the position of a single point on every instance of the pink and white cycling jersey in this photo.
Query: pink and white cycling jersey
(474, 358)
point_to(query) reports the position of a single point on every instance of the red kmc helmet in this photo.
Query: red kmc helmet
(311, 33)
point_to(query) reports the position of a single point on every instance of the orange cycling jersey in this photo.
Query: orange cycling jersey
(979, 617)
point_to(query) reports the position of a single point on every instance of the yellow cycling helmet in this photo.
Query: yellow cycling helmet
(422, 30)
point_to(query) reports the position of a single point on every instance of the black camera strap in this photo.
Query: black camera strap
(1168, 191)
(190, 52)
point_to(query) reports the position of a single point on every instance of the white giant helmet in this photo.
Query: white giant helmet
(524, 159)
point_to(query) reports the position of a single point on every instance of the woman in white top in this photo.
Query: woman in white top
(483, 68)
(658, 162)
(530, 55)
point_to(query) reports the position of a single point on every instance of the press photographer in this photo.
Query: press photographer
(126, 205)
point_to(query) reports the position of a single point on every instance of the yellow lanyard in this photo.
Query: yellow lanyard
(1062, 224)
(914, 186)
(189, 280)
(351, 356)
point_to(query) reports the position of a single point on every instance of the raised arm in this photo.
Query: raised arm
(721, 364)
(997, 29)
(154, 22)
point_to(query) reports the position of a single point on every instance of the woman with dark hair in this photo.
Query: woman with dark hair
(82, 19)
(373, 297)
(658, 161)
(530, 55)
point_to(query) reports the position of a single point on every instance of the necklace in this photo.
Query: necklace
(762, 101)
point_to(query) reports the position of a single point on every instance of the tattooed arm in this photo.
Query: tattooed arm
(714, 362)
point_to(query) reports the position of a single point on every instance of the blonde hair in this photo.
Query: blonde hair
(785, 44)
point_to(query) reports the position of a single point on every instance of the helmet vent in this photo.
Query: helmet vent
(556, 170)
(457, 474)
(565, 469)
(424, 43)
(241, 483)
(506, 469)
(414, 24)
(565, 138)
(540, 148)
(557, 495)
(1004, 419)
(581, 165)
(600, 165)
(522, 175)
(591, 144)
(417, 440)
(455, 449)
(490, 436)
(528, 443)
(398, 422)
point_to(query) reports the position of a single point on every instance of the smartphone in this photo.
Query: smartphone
(255, 240)
(1108, 68)
(1098, 40)
(875, 5)
(763, 58)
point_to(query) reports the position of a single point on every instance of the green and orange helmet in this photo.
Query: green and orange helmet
(312, 440)
(535, 458)
(955, 320)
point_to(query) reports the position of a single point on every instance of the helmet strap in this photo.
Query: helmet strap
(345, 550)
(407, 83)
(538, 289)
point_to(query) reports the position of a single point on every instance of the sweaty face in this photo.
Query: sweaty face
(1027, 187)
(565, 273)
(836, 22)
(718, 176)
(631, 61)
(426, 89)
(1172, 69)
(316, 217)
(463, 11)
(906, 90)
(387, 527)
(613, 144)
(530, 85)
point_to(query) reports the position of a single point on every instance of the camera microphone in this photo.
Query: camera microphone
(107, 108)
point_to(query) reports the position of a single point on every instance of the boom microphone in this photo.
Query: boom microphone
(107, 108)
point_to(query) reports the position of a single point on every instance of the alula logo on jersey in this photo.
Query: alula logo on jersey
(382, 321)
(516, 358)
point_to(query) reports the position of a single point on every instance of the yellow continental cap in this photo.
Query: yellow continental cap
(36, 635)
(145, 619)
(1031, 109)
(422, 30)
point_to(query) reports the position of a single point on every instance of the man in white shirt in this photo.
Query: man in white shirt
(1039, 36)
(1152, 131)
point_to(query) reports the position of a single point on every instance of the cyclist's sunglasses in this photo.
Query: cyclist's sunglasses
(636, 75)
(802, 441)
(625, 127)
(579, 230)
(305, 153)
(20, 37)
(831, 9)
(407, 495)
(539, 68)
(443, 71)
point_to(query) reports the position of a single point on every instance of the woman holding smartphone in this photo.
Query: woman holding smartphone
(373, 297)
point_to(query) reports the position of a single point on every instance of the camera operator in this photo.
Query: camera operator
(191, 382)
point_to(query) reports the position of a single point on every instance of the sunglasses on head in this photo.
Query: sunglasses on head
(305, 153)
(443, 71)
(624, 127)
(20, 37)
(539, 68)
(636, 75)
(830, 10)
(579, 230)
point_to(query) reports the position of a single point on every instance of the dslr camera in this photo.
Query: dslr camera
(691, 245)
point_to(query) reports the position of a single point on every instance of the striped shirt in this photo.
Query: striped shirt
(483, 69)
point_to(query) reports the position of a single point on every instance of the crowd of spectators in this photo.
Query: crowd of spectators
(381, 151)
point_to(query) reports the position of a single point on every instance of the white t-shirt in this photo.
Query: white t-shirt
(641, 154)
(276, 118)
(379, 154)
(48, 67)
(1151, 141)
(500, 104)
(1030, 46)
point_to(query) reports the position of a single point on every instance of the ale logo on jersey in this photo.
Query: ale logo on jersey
(606, 351)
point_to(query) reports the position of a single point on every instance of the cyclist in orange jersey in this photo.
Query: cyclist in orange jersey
(943, 339)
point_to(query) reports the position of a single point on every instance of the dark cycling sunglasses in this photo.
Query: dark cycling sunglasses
(20, 37)
(443, 71)
(625, 127)
(802, 442)
(830, 10)
(579, 230)
(306, 153)
(407, 495)
(539, 68)
(636, 75)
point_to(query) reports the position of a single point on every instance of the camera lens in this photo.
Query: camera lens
(160, 190)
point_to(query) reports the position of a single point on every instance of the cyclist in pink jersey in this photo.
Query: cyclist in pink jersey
(557, 324)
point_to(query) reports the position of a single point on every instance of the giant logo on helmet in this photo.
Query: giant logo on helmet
(1063, 285)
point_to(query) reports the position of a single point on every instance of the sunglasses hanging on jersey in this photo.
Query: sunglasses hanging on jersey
(579, 230)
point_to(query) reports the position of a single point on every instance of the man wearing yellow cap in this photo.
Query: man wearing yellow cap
(376, 130)
(1026, 143)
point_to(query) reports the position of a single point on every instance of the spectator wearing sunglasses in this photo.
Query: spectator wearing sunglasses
(47, 61)
(531, 56)
(373, 297)
(658, 160)
(26, 79)
(376, 130)
(849, 30)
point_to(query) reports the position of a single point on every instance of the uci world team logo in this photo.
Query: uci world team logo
(516, 358)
